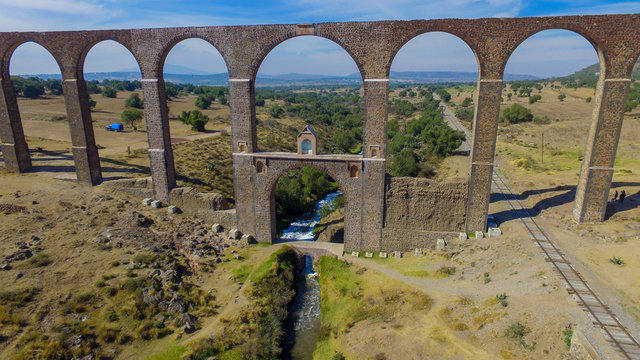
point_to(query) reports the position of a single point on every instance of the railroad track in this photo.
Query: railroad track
(595, 308)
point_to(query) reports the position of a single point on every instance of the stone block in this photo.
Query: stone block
(355, 253)
(397, 254)
(234, 234)
(216, 228)
(156, 204)
(462, 236)
(173, 209)
(368, 255)
(248, 239)
(440, 244)
(383, 255)
(147, 201)
(479, 234)
(494, 231)
(417, 252)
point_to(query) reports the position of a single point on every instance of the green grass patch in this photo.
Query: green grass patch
(170, 352)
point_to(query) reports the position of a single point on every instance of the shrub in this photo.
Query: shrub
(534, 98)
(195, 118)
(134, 101)
(203, 101)
(588, 99)
(516, 113)
(541, 120)
(487, 279)
(568, 335)
(616, 260)
(447, 270)
(561, 97)
(276, 111)
(109, 92)
(502, 299)
(40, 260)
(516, 331)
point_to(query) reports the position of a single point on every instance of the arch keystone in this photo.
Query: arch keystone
(305, 29)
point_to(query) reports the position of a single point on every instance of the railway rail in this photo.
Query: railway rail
(595, 308)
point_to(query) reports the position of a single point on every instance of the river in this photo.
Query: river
(305, 309)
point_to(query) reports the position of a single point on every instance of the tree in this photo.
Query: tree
(222, 99)
(467, 101)
(405, 164)
(130, 116)
(259, 101)
(54, 86)
(203, 101)
(276, 111)
(561, 97)
(195, 118)
(444, 95)
(516, 113)
(92, 103)
(109, 92)
(534, 98)
(134, 101)
(33, 90)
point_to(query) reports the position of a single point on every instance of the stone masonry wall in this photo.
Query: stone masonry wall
(418, 211)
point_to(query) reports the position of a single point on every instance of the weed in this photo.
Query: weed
(115, 263)
(568, 335)
(18, 297)
(100, 283)
(502, 299)
(130, 273)
(516, 331)
(110, 291)
(487, 279)
(108, 277)
(338, 356)
(617, 260)
(447, 270)
(145, 259)
(40, 260)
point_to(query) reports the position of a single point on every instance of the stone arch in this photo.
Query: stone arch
(413, 36)
(602, 57)
(264, 192)
(87, 48)
(11, 49)
(271, 46)
(177, 40)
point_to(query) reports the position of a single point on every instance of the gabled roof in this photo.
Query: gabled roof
(308, 130)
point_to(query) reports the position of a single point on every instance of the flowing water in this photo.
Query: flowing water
(305, 310)
(302, 227)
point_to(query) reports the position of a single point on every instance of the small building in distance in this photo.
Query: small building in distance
(307, 142)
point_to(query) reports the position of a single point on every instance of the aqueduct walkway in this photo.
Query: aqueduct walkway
(372, 45)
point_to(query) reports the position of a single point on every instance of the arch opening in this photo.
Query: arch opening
(312, 81)
(37, 83)
(197, 98)
(426, 91)
(112, 78)
(308, 205)
(546, 112)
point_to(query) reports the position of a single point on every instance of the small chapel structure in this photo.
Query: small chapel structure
(307, 142)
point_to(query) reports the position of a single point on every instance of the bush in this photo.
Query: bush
(541, 120)
(502, 299)
(405, 164)
(534, 98)
(40, 260)
(134, 101)
(516, 331)
(109, 92)
(276, 111)
(561, 97)
(516, 113)
(195, 118)
(203, 101)
(616, 260)
(464, 114)
(444, 95)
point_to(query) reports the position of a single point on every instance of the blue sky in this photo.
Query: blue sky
(550, 53)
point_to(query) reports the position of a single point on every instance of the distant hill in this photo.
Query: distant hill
(297, 79)
(589, 75)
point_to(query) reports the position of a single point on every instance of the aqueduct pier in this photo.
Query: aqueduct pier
(372, 45)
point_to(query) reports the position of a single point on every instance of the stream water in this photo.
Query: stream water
(305, 310)
(302, 227)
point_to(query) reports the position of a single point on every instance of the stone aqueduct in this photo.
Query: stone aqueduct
(372, 45)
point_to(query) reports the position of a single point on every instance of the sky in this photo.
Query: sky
(550, 53)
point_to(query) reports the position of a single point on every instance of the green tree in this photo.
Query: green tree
(134, 101)
(109, 92)
(561, 97)
(33, 90)
(405, 164)
(516, 113)
(54, 86)
(467, 101)
(92, 103)
(131, 116)
(259, 101)
(444, 95)
(195, 118)
(203, 101)
(276, 111)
